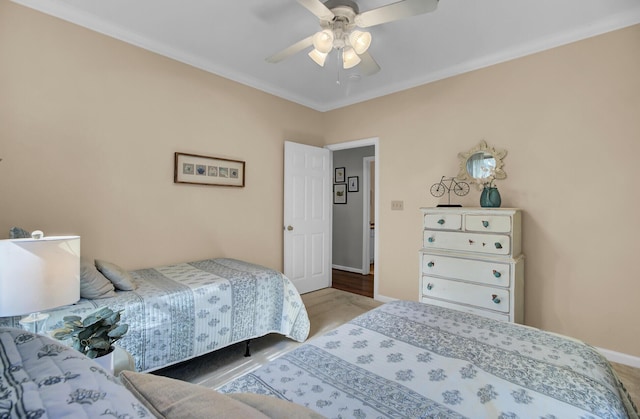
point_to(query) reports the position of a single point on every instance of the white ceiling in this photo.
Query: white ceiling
(232, 38)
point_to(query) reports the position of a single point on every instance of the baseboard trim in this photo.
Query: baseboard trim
(612, 356)
(383, 298)
(620, 358)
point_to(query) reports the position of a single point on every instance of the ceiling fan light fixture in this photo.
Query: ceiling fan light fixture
(349, 58)
(318, 57)
(360, 41)
(323, 40)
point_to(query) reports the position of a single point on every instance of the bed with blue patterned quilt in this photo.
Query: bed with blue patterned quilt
(413, 360)
(184, 310)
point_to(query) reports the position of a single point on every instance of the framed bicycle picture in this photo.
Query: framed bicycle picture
(352, 184)
(339, 175)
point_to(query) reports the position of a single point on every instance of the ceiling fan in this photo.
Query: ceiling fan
(340, 20)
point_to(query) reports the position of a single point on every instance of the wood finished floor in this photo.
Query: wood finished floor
(353, 282)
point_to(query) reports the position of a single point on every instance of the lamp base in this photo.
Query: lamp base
(34, 322)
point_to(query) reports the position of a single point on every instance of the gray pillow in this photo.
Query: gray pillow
(169, 398)
(118, 276)
(93, 284)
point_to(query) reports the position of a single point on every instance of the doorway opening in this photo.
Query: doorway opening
(355, 225)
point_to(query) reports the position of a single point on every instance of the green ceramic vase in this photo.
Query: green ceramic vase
(490, 197)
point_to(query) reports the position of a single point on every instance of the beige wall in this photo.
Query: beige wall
(570, 120)
(88, 130)
(89, 125)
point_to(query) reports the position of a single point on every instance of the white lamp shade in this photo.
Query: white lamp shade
(349, 58)
(360, 41)
(38, 275)
(323, 40)
(318, 57)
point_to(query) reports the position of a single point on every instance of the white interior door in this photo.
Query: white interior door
(307, 216)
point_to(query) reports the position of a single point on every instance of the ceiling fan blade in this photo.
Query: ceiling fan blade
(295, 48)
(395, 11)
(318, 8)
(368, 66)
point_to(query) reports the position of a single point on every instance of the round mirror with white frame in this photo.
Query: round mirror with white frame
(482, 164)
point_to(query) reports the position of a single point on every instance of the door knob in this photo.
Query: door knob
(290, 228)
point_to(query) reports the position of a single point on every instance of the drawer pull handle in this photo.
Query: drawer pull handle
(441, 221)
(431, 239)
(471, 242)
(429, 286)
(495, 298)
(430, 264)
(496, 274)
(498, 245)
(485, 224)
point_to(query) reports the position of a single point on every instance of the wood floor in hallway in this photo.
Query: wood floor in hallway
(353, 282)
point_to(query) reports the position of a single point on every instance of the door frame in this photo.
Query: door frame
(366, 211)
(374, 141)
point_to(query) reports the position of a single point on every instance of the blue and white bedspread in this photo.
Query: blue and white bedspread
(42, 378)
(181, 311)
(412, 360)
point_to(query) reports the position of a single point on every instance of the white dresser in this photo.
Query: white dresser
(471, 261)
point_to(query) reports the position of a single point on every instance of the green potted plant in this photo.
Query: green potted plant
(95, 335)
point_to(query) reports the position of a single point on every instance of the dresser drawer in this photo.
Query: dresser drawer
(495, 315)
(493, 244)
(488, 223)
(443, 221)
(482, 272)
(465, 293)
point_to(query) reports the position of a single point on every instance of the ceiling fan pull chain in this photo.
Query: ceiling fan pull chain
(338, 71)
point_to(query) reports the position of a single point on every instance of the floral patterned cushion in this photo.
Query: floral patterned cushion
(43, 378)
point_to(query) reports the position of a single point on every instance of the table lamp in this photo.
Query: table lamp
(38, 274)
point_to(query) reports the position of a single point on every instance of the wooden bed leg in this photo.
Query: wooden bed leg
(247, 351)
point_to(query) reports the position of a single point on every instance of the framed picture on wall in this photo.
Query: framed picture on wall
(339, 175)
(340, 194)
(353, 184)
(206, 170)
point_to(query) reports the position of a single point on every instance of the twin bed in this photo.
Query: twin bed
(413, 360)
(403, 359)
(184, 310)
